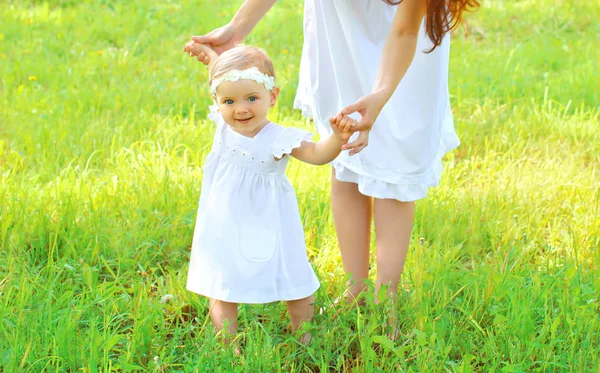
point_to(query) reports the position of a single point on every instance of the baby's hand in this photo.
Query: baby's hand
(342, 127)
(203, 52)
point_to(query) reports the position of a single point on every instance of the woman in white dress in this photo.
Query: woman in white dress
(388, 63)
(248, 244)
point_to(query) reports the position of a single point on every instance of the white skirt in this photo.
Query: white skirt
(343, 43)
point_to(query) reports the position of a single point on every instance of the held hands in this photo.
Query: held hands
(204, 53)
(368, 107)
(342, 127)
(220, 40)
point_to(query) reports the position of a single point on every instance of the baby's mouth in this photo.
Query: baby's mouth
(244, 120)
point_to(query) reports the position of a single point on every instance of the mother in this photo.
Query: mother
(388, 62)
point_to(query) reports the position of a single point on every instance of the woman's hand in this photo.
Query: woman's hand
(368, 107)
(226, 37)
(220, 40)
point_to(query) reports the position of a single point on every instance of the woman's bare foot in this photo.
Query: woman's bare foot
(391, 326)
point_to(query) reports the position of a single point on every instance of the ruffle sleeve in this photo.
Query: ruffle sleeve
(215, 115)
(289, 139)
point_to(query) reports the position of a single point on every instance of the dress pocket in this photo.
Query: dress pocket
(257, 242)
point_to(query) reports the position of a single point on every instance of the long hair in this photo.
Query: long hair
(443, 16)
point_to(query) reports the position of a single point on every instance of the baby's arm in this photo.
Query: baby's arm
(210, 55)
(326, 149)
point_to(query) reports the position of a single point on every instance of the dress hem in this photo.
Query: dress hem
(402, 187)
(295, 294)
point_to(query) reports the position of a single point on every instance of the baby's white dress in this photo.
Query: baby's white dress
(343, 44)
(248, 244)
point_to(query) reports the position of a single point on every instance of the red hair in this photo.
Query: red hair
(443, 16)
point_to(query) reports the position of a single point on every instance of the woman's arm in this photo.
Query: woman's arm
(398, 52)
(250, 13)
(399, 48)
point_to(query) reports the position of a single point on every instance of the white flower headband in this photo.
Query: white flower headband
(252, 73)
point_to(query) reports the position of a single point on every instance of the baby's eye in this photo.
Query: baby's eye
(229, 102)
(252, 98)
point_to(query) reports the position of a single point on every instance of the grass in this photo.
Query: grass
(102, 134)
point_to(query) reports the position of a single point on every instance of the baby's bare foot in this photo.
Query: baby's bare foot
(305, 338)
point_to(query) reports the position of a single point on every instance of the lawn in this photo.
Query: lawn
(103, 131)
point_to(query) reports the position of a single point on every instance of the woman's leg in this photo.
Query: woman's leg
(352, 212)
(393, 227)
(222, 313)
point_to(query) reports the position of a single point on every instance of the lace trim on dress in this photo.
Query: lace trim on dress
(289, 139)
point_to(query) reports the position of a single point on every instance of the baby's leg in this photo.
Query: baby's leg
(393, 227)
(301, 310)
(222, 313)
(352, 212)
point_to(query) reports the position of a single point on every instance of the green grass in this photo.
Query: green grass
(102, 134)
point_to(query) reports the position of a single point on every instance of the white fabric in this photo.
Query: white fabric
(343, 43)
(252, 73)
(288, 140)
(248, 244)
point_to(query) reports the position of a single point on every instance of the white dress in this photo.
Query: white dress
(343, 43)
(248, 244)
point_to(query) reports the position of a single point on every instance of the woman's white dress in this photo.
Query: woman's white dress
(248, 244)
(343, 43)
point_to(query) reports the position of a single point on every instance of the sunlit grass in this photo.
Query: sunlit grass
(102, 134)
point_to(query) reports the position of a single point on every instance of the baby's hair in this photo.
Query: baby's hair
(242, 57)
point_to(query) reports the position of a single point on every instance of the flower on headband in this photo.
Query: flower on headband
(252, 73)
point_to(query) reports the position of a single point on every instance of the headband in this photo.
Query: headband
(251, 74)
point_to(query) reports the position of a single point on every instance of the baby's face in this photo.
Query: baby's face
(244, 105)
